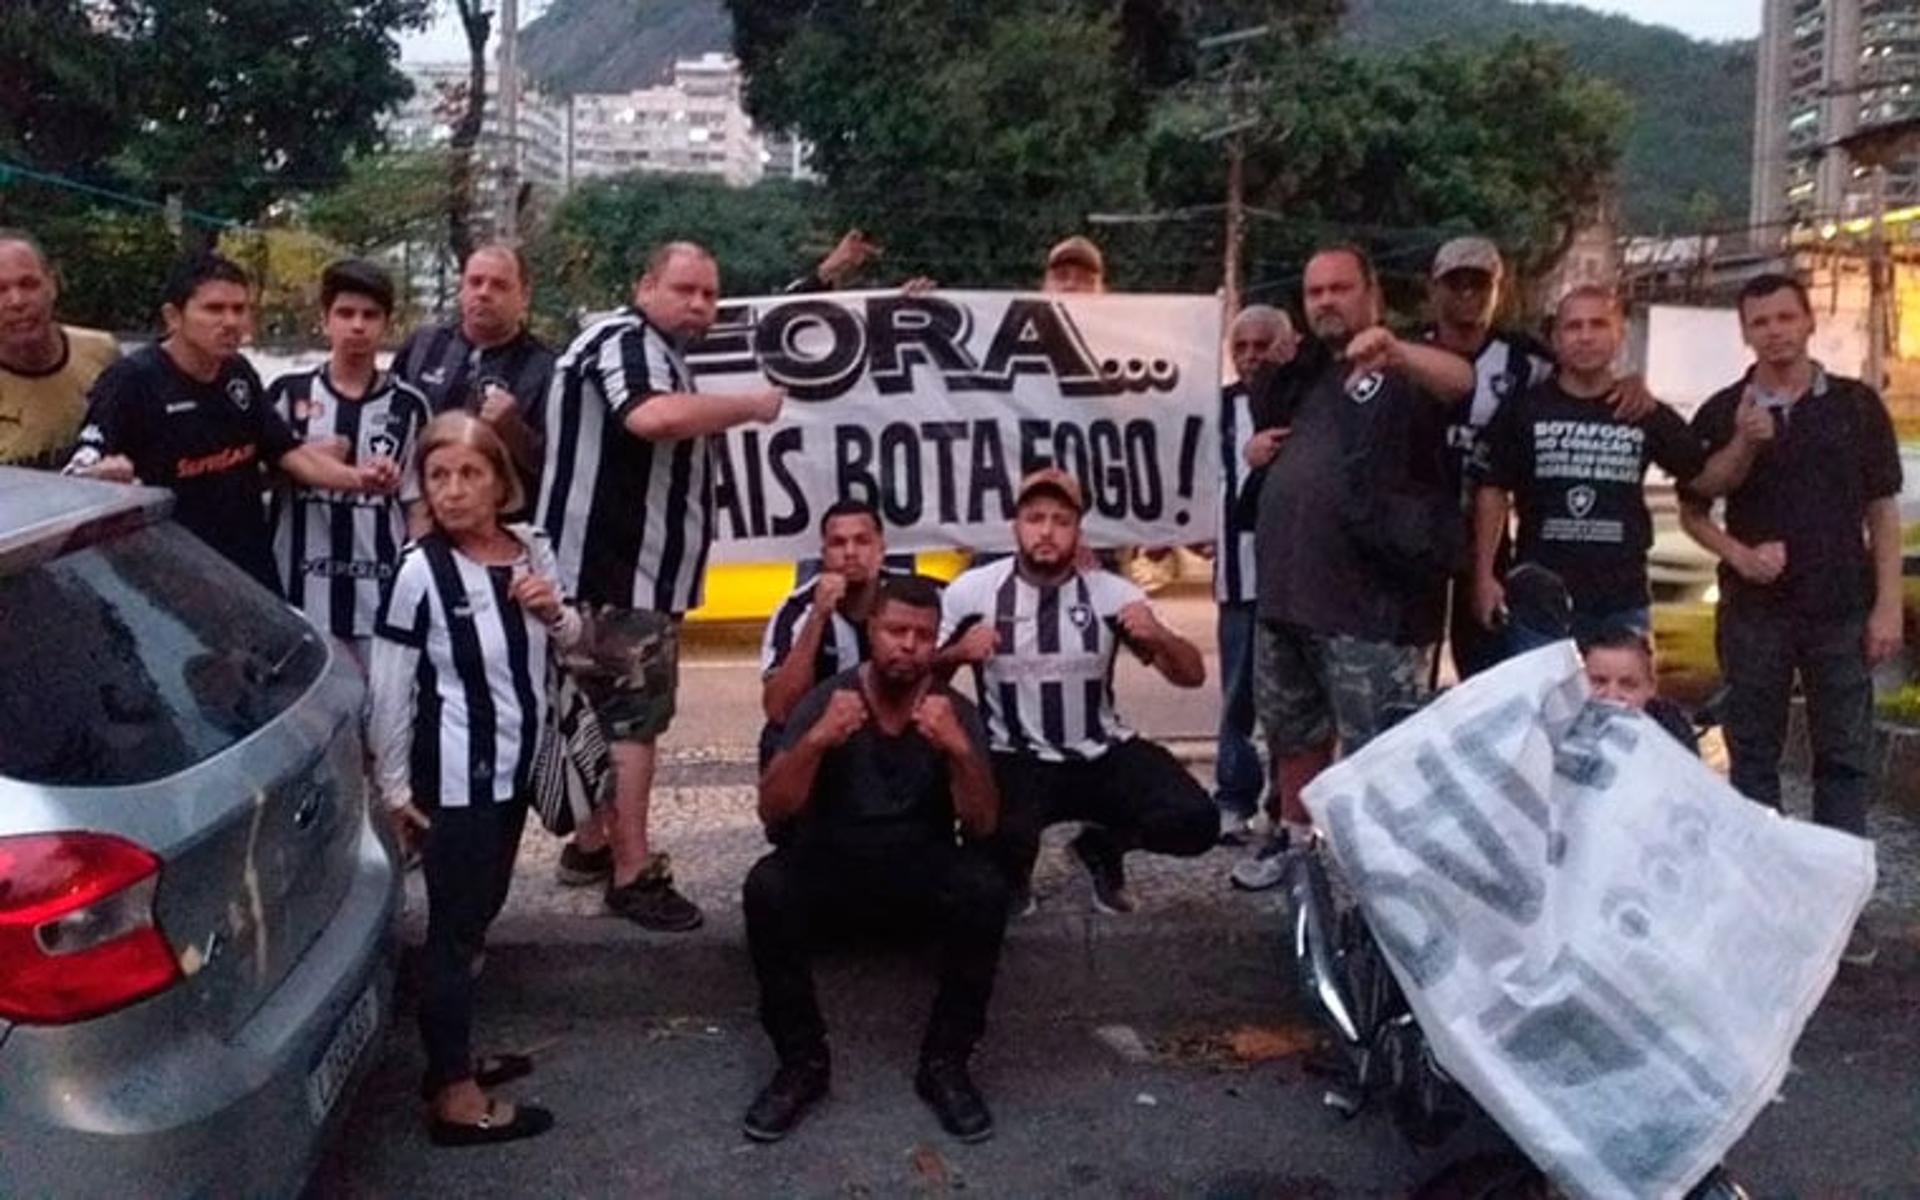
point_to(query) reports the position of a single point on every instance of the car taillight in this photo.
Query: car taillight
(77, 935)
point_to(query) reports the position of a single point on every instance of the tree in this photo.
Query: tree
(237, 103)
(965, 136)
(63, 91)
(763, 237)
(388, 199)
(476, 22)
(1403, 152)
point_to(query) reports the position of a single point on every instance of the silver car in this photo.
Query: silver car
(195, 905)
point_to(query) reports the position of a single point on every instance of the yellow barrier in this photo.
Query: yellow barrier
(751, 591)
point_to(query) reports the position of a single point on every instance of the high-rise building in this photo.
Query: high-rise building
(694, 124)
(426, 119)
(1829, 69)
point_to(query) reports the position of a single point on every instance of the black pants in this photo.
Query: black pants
(795, 898)
(1760, 654)
(1137, 792)
(468, 862)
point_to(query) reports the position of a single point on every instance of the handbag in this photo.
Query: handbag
(572, 769)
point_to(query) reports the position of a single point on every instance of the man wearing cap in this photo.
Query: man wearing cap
(1358, 530)
(1075, 266)
(1040, 632)
(1464, 290)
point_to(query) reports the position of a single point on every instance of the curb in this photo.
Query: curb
(1066, 966)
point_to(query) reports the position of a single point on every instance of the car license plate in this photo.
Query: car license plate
(335, 1066)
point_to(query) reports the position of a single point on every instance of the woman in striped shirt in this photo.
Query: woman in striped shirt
(459, 689)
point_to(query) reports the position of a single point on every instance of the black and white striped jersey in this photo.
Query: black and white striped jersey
(631, 519)
(336, 551)
(843, 648)
(459, 677)
(1047, 691)
(1234, 581)
(1509, 364)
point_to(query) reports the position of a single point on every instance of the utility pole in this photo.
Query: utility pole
(1240, 121)
(509, 88)
(1877, 282)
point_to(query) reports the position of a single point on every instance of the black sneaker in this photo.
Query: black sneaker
(583, 868)
(651, 903)
(1096, 851)
(948, 1090)
(780, 1105)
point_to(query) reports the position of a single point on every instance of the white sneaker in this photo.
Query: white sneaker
(1234, 829)
(1266, 868)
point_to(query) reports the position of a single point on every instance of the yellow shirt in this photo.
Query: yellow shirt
(41, 415)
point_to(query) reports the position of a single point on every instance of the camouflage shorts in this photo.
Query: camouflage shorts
(627, 662)
(1309, 687)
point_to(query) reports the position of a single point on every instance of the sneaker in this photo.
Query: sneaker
(948, 1090)
(651, 903)
(583, 868)
(1862, 946)
(1096, 851)
(1266, 868)
(1234, 828)
(780, 1105)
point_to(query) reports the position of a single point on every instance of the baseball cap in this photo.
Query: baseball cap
(1467, 254)
(1078, 250)
(1055, 481)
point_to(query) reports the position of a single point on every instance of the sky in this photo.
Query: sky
(1716, 19)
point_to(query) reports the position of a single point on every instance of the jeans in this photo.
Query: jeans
(1522, 638)
(1761, 652)
(796, 898)
(1237, 774)
(1137, 794)
(468, 864)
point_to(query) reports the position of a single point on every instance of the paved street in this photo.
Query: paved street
(1163, 1054)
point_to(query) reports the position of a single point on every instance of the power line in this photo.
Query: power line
(10, 170)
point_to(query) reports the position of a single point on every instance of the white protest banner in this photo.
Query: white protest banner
(932, 407)
(1609, 947)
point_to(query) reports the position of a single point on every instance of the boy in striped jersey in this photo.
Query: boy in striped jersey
(336, 551)
(627, 498)
(1041, 634)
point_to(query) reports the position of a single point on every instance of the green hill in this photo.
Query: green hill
(1687, 149)
(619, 45)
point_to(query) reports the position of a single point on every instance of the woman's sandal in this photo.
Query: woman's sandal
(528, 1121)
(489, 1070)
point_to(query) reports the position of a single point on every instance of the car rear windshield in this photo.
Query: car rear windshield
(135, 658)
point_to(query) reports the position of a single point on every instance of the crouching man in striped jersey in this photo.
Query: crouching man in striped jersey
(627, 498)
(1041, 634)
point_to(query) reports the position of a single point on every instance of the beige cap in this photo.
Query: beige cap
(1468, 254)
(1078, 250)
(1055, 481)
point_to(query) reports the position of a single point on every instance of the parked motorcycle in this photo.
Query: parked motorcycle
(1384, 1056)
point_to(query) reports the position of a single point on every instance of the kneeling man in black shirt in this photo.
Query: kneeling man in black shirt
(877, 801)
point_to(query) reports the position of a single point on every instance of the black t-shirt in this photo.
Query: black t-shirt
(1834, 452)
(1310, 569)
(875, 793)
(208, 442)
(1578, 478)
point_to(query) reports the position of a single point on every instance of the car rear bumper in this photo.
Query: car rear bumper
(107, 1108)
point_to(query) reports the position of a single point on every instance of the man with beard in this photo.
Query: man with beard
(1358, 530)
(821, 629)
(627, 498)
(487, 362)
(878, 766)
(45, 367)
(1041, 632)
(189, 414)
